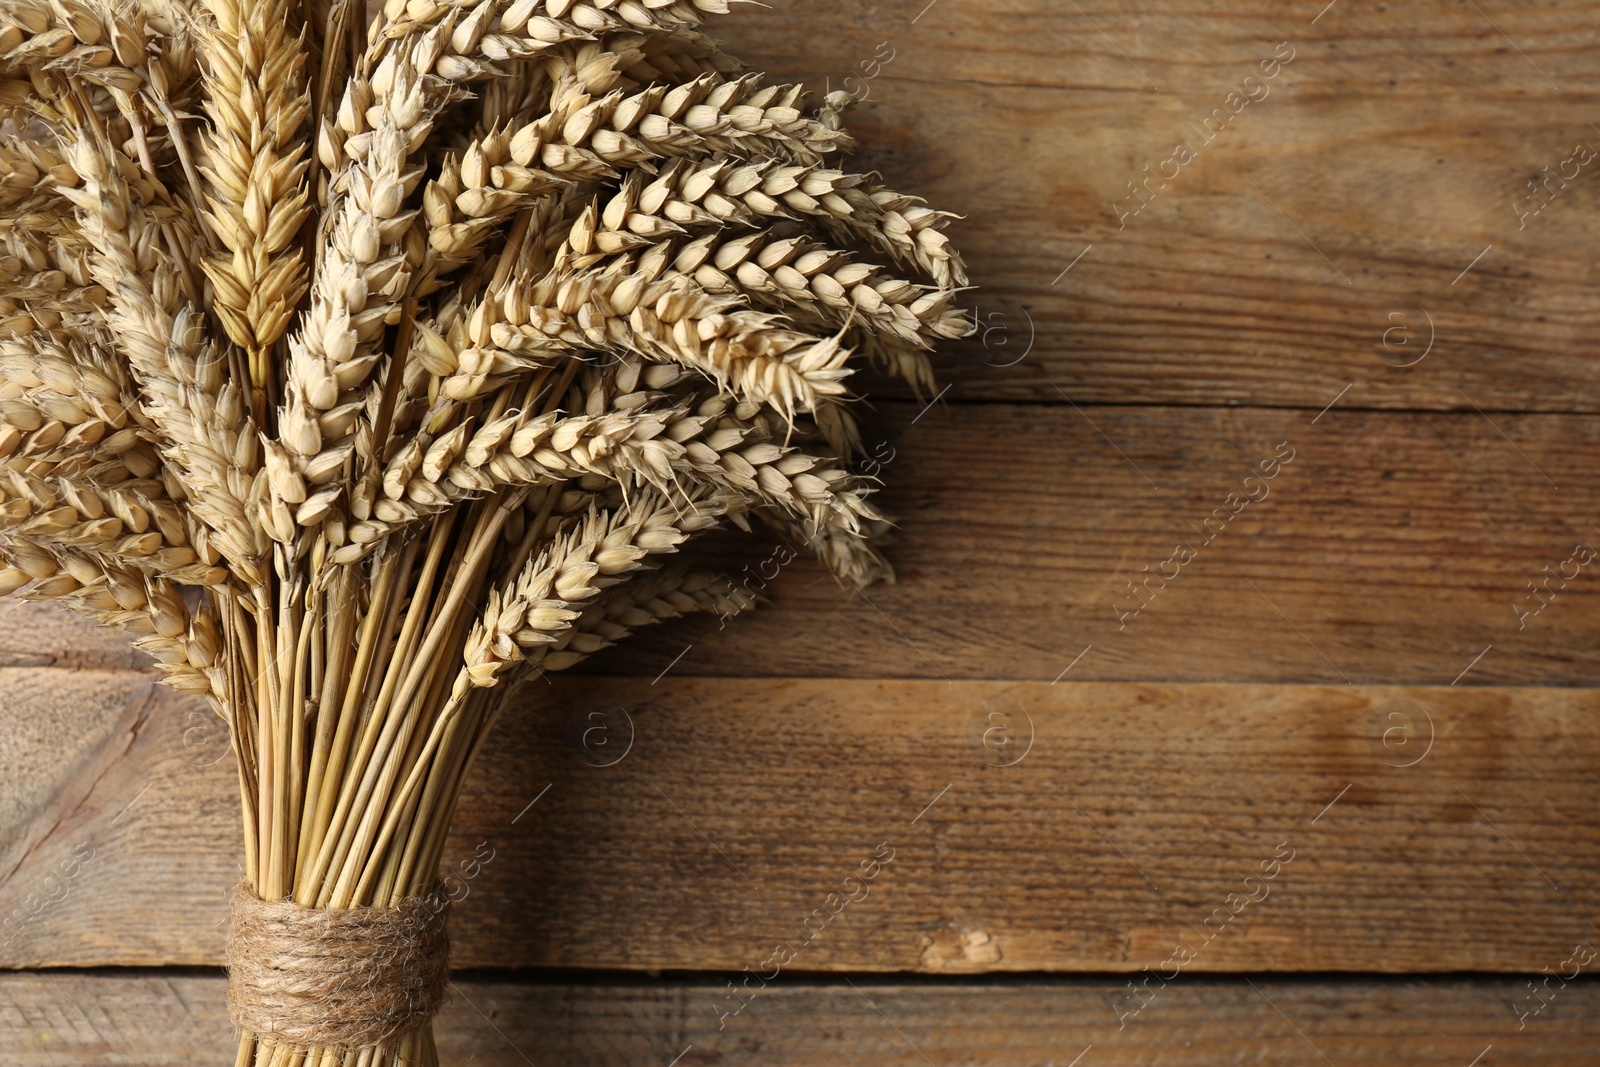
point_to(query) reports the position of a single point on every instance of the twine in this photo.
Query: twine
(335, 978)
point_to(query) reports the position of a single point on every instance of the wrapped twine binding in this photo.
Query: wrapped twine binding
(351, 978)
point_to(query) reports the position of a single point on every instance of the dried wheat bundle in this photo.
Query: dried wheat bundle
(363, 366)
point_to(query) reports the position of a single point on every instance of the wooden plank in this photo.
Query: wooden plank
(43, 635)
(62, 731)
(1382, 159)
(178, 1020)
(1392, 549)
(1016, 827)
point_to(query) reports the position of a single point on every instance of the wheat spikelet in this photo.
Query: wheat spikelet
(131, 518)
(590, 136)
(855, 560)
(797, 272)
(892, 321)
(672, 58)
(626, 435)
(44, 270)
(66, 39)
(854, 207)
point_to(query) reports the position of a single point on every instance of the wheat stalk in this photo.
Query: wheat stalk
(364, 372)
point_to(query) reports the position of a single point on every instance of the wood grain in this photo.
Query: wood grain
(1362, 214)
(1392, 549)
(1087, 827)
(63, 730)
(172, 1021)
(1383, 158)
(45, 635)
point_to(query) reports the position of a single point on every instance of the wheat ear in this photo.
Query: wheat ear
(256, 96)
(201, 423)
(549, 593)
(633, 305)
(643, 600)
(186, 645)
(65, 409)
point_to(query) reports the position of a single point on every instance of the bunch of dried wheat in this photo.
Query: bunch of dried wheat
(359, 366)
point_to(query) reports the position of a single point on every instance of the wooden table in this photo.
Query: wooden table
(1237, 700)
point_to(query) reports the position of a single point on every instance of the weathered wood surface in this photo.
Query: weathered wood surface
(1313, 247)
(60, 731)
(1384, 157)
(1393, 548)
(47, 1020)
(1087, 827)
(43, 635)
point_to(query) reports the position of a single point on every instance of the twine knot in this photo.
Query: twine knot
(335, 978)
